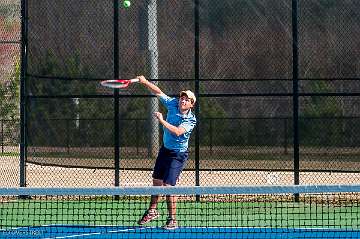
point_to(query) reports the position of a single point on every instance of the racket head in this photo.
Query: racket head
(116, 84)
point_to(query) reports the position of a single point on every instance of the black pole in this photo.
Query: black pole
(295, 94)
(116, 95)
(68, 136)
(197, 93)
(211, 136)
(286, 136)
(2, 136)
(23, 98)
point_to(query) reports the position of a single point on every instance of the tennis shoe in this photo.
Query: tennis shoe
(171, 224)
(148, 216)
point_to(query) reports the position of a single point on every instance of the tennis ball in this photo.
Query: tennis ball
(127, 3)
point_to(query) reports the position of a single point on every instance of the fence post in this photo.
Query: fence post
(116, 95)
(154, 73)
(211, 138)
(295, 68)
(23, 96)
(137, 136)
(285, 136)
(197, 92)
(2, 136)
(67, 136)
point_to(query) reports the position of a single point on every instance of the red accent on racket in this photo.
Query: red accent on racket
(119, 83)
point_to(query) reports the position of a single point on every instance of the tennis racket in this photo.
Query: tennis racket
(119, 83)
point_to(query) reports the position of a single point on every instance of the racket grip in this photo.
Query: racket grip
(134, 80)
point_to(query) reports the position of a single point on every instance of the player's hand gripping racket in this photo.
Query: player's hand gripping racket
(119, 83)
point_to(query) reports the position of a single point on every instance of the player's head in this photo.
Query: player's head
(187, 99)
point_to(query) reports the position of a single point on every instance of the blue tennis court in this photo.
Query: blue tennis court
(60, 231)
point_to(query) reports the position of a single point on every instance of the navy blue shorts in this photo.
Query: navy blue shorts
(169, 165)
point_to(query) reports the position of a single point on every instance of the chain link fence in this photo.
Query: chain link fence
(252, 64)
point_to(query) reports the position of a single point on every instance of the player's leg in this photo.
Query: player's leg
(151, 213)
(171, 204)
(171, 222)
(160, 167)
(155, 198)
(170, 179)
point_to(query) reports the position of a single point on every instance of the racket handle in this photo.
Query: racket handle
(134, 80)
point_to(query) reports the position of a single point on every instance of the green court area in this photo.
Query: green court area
(248, 211)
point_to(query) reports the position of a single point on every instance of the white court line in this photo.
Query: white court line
(99, 233)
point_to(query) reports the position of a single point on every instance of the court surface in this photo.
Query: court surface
(66, 231)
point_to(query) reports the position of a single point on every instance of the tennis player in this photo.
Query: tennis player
(177, 127)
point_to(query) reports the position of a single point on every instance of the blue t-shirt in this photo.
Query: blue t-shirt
(174, 117)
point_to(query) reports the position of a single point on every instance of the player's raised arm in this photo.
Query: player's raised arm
(153, 88)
